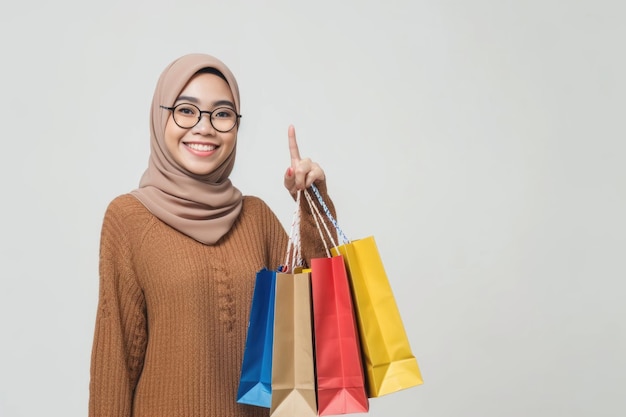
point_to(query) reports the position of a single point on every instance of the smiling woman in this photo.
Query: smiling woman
(179, 254)
(197, 143)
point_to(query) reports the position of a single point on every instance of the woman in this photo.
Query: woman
(179, 255)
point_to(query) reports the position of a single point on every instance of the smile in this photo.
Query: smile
(201, 147)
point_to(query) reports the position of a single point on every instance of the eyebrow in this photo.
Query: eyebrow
(215, 103)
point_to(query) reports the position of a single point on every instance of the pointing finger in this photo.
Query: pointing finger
(293, 146)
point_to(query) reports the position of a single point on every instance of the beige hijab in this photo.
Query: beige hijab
(202, 207)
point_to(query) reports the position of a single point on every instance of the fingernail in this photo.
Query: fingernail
(289, 172)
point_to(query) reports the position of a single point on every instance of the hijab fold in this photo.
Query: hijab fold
(203, 207)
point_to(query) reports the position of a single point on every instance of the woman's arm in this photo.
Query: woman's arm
(120, 332)
(300, 175)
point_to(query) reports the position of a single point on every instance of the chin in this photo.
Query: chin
(201, 172)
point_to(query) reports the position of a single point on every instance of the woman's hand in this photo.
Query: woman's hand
(302, 172)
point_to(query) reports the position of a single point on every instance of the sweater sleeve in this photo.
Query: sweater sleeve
(120, 332)
(276, 238)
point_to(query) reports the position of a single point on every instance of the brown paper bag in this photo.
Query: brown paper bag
(293, 374)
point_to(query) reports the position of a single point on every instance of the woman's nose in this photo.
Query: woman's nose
(204, 126)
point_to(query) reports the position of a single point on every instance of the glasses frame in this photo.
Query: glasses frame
(201, 112)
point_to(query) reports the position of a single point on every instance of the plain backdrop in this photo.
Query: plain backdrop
(481, 142)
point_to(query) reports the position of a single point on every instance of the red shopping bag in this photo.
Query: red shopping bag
(340, 377)
(338, 362)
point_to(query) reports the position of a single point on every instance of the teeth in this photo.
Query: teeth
(201, 147)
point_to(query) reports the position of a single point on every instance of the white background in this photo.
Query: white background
(481, 142)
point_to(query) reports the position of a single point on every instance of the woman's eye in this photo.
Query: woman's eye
(224, 113)
(186, 110)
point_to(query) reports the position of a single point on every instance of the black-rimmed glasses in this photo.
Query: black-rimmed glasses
(186, 116)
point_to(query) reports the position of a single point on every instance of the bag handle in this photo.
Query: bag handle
(293, 256)
(344, 238)
(317, 216)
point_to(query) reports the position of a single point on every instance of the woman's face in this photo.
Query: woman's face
(201, 149)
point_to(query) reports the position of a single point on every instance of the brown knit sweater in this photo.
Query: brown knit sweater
(173, 313)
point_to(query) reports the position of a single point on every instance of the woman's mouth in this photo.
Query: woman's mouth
(201, 147)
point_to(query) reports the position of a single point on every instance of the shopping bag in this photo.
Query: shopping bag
(293, 378)
(338, 365)
(389, 363)
(256, 369)
(339, 369)
(293, 372)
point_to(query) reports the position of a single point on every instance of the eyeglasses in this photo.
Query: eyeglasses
(223, 119)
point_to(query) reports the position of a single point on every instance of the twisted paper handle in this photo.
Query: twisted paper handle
(293, 257)
(317, 216)
(340, 233)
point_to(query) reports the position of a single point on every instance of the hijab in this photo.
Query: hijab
(203, 207)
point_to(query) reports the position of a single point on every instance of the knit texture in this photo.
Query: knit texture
(172, 314)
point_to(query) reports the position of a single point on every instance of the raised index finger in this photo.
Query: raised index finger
(293, 146)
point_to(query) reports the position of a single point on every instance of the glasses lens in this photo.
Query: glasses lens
(186, 115)
(223, 119)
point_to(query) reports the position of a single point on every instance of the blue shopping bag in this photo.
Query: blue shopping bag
(255, 383)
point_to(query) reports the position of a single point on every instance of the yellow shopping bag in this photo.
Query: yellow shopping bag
(389, 362)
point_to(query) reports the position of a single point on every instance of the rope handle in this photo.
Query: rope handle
(293, 255)
(344, 238)
(317, 216)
